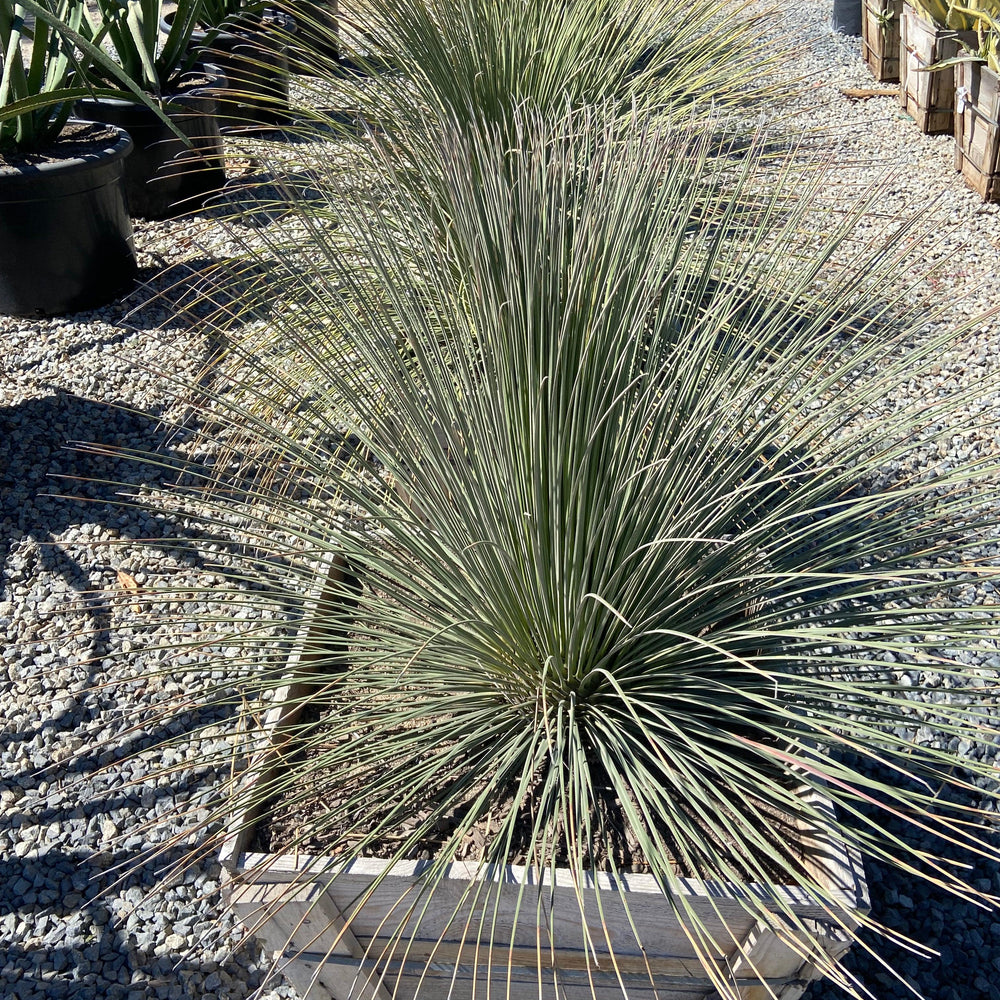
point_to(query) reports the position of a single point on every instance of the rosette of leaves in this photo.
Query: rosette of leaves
(132, 31)
(37, 86)
(625, 471)
(984, 19)
(37, 90)
(980, 16)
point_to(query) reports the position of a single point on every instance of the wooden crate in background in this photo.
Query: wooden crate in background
(880, 38)
(977, 128)
(928, 96)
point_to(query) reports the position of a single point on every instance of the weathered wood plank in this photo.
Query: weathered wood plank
(304, 660)
(977, 128)
(928, 96)
(520, 984)
(880, 38)
(454, 919)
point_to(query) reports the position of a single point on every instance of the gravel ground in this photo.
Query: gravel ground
(69, 925)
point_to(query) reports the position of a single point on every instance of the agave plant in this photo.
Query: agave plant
(984, 19)
(44, 78)
(132, 31)
(624, 477)
(66, 58)
(980, 16)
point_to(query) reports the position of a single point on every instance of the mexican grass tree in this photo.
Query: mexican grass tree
(625, 479)
(487, 58)
(445, 64)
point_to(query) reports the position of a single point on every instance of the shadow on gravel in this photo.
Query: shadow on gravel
(101, 953)
(108, 787)
(966, 936)
(47, 486)
(264, 197)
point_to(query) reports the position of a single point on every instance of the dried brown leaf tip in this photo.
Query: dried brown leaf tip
(129, 584)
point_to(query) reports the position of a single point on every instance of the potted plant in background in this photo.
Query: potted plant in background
(847, 16)
(625, 569)
(880, 38)
(977, 109)
(65, 234)
(932, 34)
(476, 61)
(316, 50)
(249, 42)
(177, 163)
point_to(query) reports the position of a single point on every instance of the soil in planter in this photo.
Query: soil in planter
(76, 139)
(289, 823)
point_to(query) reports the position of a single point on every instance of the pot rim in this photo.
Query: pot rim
(104, 153)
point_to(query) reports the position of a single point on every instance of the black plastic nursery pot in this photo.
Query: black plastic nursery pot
(65, 232)
(166, 176)
(253, 56)
(846, 17)
(317, 32)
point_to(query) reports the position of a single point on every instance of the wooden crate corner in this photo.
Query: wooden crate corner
(977, 128)
(880, 43)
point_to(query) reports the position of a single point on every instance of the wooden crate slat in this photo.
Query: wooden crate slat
(880, 38)
(383, 915)
(310, 925)
(521, 985)
(841, 869)
(929, 97)
(304, 659)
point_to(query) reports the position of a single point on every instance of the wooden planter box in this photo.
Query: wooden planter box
(363, 931)
(929, 97)
(880, 38)
(977, 128)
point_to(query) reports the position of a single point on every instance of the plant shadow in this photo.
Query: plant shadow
(966, 937)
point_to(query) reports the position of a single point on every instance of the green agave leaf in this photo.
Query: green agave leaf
(935, 11)
(41, 101)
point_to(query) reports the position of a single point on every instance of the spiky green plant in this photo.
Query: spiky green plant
(625, 478)
(44, 77)
(446, 64)
(486, 58)
(66, 58)
(37, 91)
